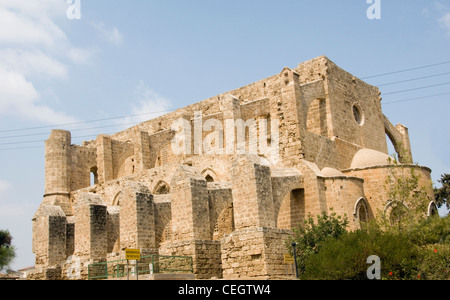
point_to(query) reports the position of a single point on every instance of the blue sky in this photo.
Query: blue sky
(128, 58)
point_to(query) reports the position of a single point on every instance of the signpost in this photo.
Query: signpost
(295, 259)
(288, 259)
(132, 254)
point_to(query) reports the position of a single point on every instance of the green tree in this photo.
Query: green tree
(442, 194)
(408, 197)
(417, 247)
(310, 235)
(7, 252)
(421, 251)
(346, 257)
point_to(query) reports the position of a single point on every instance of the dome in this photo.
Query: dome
(330, 172)
(369, 158)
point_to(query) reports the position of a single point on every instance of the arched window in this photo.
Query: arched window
(395, 211)
(209, 178)
(358, 114)
(361, 213)
(162, 188)
(432, 209)
(117, 198)
(209, 175)
(94, 176)
(292, 209)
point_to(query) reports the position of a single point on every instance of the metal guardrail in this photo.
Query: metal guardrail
(146, 265)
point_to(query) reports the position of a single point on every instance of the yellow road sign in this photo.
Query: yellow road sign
(132, 254)
(288, 259)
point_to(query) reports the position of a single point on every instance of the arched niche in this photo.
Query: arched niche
(210, 175)
(395, 211)
(292, 209)
(161, 188)
(432, 209)
(361, 211)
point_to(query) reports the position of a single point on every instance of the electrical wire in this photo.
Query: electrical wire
(413, 79)
(415, 89)
(407, 70)
(416, 98)
(83, 122)
(73, 130)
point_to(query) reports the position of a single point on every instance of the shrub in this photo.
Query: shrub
(434, 262)
(345, 257)
(310, 235)
(7, 252)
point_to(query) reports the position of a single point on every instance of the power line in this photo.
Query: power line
(41, 141)
(21, 148)
(83, 122)
(415, 89)
(73, 130)
(414, 79)
(416, 98)
(407, 70)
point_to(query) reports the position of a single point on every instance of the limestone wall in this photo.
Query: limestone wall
(376, 188)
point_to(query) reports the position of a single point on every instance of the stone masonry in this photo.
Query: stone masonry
(228, 183)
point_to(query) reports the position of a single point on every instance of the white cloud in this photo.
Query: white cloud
(79, 55)
(19, 96)
(29, 29)
(4, 185)
(32, 63)
(149, 103)
(51, 8)
(112, 35)
(33, 46)
(445, 22)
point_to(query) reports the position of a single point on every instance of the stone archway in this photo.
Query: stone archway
(292, 210)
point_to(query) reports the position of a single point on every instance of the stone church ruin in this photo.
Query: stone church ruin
(208, 189)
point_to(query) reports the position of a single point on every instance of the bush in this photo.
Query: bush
(310, 235)
(433, 230)
(7, 252)
(346, 257)
(434, 262)
(421, 251)
(433, 238)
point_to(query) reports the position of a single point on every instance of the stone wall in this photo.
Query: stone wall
(376, 187)
(253, 252)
